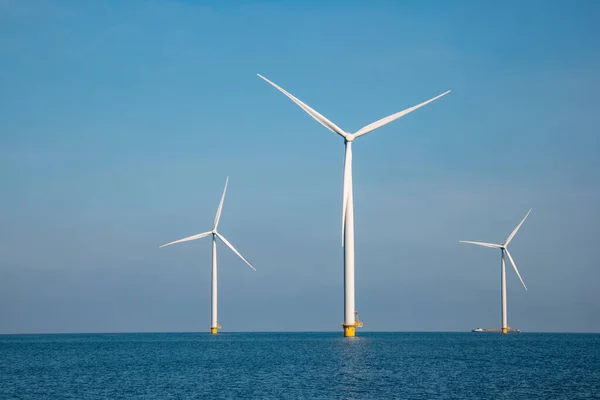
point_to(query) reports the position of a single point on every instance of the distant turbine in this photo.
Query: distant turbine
(215, 234)
(350, 322)
(503, 249)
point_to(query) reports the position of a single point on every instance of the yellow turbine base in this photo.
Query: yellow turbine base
(349, 331)
(214, 331)
(504, 330)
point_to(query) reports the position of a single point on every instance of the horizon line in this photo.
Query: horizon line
(225, 332)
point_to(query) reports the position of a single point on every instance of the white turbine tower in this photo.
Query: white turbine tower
(350, 318)
(214, 326)
(503, 249)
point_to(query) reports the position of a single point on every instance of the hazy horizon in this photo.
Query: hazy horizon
(334, 331)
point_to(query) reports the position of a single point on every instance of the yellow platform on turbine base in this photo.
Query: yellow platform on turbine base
(215, 329)
(505, 330)
(350, 329)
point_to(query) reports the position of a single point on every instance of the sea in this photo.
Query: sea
(300, 366)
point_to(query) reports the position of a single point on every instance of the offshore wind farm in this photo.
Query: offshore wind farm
(124, 274)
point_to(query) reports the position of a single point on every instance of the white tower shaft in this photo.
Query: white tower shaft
(349, 321)
(504, 316)
(213, 323)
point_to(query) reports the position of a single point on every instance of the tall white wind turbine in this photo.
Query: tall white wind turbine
(214, 326)
(504, 250)
(350, 318)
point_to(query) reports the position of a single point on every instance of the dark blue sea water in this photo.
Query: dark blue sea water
(300, 366)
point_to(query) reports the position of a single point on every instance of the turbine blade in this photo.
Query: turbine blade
(347, 188)
(218, 216)
(387, 120)
(320, 119)
(493, 246)
(512, 235)
(233, 249)
(515, 267)
(187, 239)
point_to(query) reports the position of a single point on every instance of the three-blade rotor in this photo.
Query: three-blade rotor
(504, 248)
(349, 137)
(214, 232)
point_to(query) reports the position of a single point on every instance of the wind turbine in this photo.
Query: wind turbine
(503, 249)
(214, 326)
(351, 320)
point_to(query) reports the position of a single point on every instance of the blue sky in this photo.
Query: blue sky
(119, 122)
